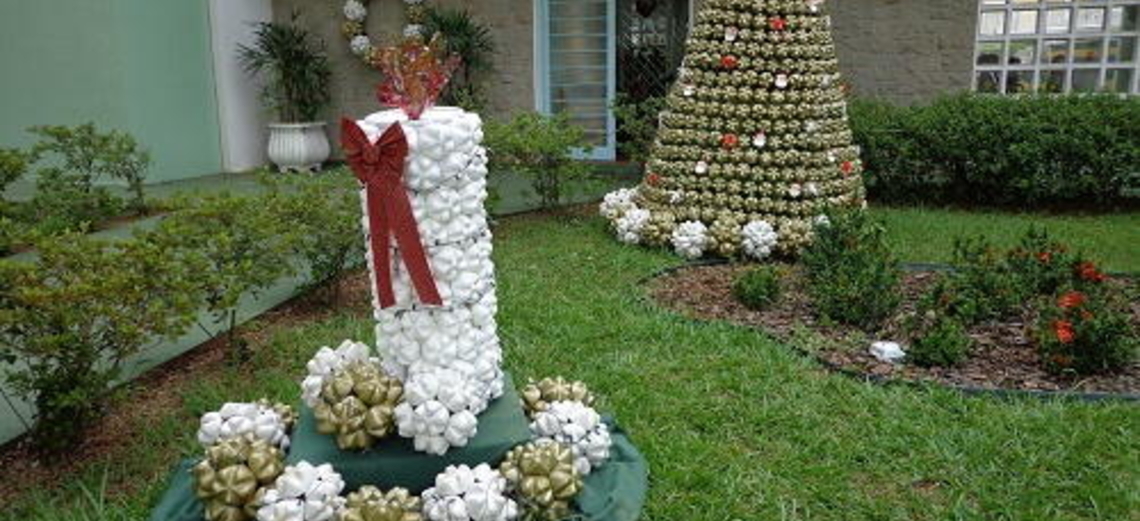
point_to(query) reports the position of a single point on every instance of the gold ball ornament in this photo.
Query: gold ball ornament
(537, 396)
(371, 504)
(358, 405)
(232, 477)
(544, 476)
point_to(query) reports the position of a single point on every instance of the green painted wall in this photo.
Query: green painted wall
(143, 66)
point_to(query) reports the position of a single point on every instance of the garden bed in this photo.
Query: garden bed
(1002, 355)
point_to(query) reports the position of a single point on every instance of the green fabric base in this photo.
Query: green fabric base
(393, 462)
(615, 492)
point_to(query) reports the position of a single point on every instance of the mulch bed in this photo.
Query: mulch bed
(160, 390)
(1002, 356)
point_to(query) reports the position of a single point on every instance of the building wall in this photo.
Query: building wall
(905, 51)
(510, 85)
(116, 63)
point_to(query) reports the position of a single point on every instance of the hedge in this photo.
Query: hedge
(1001, 150)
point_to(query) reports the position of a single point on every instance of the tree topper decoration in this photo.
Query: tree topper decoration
(415, 74)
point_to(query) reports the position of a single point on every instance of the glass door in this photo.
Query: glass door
(576, 63)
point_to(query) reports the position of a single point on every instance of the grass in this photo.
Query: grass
(927, 233)
(734, 425)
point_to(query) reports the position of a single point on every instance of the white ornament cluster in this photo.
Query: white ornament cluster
(455, 345)
(578, 426)
(439, 410)
(303, 492)
(355, 11)
(690, 239)
(627, 219)
(238, 419)
(328, 361)
(462, 493)
(361, 45)
(758, 239)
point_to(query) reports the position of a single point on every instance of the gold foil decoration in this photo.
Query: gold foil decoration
(536, 396)
(230, 479)
(544, 475)
(358, 406)
(370, 504)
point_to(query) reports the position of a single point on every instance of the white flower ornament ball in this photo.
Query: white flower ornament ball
(238, 419)
(689, 239)
(355, 11)
(578, 426)
(462, 493)
(439, 410)
(758, 239)
(303, 492)
(629, 226)
(617, 203)
(360, 45)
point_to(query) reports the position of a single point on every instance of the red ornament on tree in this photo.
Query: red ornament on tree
(729, 141)
(847, 167)
(777, 24)
(652, 179)
(729, 62)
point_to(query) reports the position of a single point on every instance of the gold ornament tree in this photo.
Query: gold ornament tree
(754, 144)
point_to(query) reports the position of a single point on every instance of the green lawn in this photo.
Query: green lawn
(734, 425)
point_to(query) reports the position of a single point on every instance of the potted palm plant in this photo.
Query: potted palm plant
(297, 74)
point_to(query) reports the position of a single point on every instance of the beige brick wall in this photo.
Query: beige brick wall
(900, 50)
(511, 84)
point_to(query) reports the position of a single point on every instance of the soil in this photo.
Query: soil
(160, 390)
(1002, 355)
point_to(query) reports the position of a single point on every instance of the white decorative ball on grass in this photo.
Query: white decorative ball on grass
(462, 493)
(303, 493)
(758, 239)
(690, 239)
(238, 419)
(578, 426)
(617, 203)
(439, 410)
(629, 226)
(327, 361)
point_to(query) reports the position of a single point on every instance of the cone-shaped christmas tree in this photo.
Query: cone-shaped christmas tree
(754, 145)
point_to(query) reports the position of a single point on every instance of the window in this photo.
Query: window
(1058, 46)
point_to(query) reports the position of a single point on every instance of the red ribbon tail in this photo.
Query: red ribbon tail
(411, 246)
(380, 232)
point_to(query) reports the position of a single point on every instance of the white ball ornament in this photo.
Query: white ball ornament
(462, 493)
(578, 426)
(303, 492)
(758, 239)
(629, 226)
(689, 239)
(360, 45)
(327, 361)
(355, 11)
(238, 419)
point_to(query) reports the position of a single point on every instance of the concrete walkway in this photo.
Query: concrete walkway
(514, 197)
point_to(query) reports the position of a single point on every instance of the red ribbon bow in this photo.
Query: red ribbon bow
(380, 168)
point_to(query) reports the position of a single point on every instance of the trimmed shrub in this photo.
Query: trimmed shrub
(940, 342)
(758, 288)
(1000, 150)
(541, 149)
(852, 275)
(70, 319)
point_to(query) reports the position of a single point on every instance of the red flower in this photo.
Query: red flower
(1072, 299)
(847, 167)
(777, 24)
(729, 141)
(1064, 331)
(1087, 271)
(729, 61)
(652, 179)
(1045, 257)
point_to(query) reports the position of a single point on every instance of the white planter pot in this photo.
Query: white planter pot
(298, 147)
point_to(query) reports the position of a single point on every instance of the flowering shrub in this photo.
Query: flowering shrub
(852, 275)
(982, 287)
(1085, 333)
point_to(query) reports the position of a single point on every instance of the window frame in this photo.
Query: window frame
(1038, 70)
